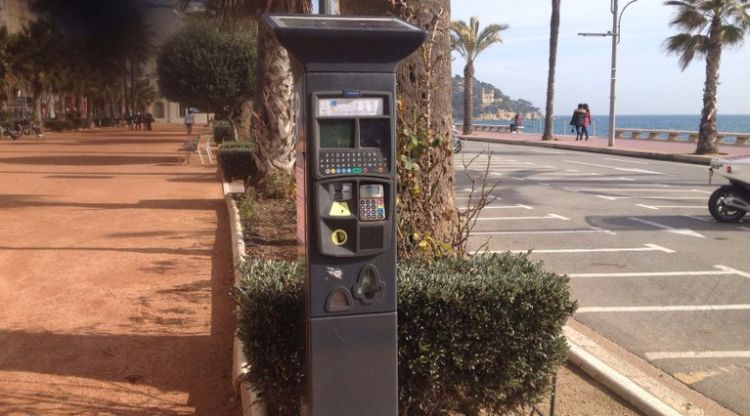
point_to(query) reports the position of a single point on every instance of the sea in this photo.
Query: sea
(729, 123)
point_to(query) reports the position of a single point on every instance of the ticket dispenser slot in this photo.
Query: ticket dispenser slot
(346, 177)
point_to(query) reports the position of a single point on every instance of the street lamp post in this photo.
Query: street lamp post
(615, 34)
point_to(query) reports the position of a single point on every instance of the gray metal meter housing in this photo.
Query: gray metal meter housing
(346, 197)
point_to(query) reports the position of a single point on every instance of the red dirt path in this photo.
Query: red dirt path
(115, 269)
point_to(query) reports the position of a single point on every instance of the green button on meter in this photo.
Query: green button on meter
(356, 170)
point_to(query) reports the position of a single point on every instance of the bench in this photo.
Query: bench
(741, 139)
(200, 146)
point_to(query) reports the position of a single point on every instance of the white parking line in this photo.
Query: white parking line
(648, 247)
(589, 179)
(658, 207)
(615, 168)
(625, 160)
(722, 271)
(674, 308)
(675, 198)
(475, 198)
(508, 206)
(673, 355)
(679, 231)
(642, 190)
(570, 231)
(546, 217)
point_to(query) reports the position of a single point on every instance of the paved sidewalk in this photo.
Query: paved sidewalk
(115, 269)
(653, 149)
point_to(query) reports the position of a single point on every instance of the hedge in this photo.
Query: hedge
(222, 131)
(481, 334)
(236, 160)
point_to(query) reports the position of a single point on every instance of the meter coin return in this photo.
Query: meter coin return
(346, 191)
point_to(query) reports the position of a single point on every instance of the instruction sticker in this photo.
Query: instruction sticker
(340, 209)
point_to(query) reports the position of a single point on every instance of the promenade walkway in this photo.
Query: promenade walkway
(657, 149)
(115, 271)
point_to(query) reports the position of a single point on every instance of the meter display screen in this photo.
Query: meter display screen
(336, 134)
(371, 191)
(374, 133)
(350, 107)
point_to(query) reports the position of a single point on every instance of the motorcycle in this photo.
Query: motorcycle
(731, 202)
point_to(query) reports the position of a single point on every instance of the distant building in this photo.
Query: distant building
(15, 15)
(488, 97)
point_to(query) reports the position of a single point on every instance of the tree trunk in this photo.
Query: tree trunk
(553, 36)
(274, 120)
(468, 96)
(274, 133)
(427, 217)
(707, 132)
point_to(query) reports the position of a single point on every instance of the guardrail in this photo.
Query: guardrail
(727, 138)
(738, 139)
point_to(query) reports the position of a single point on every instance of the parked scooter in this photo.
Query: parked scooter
(730, 202)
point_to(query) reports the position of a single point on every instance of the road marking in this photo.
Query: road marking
(626, 161)
(570, 231)
(507, 207)
(734, 271)
(648, 247)
(675, 198)
(643, 190)
(693, 217)
(674, 308)
(546, 217)
(589, 179)
(615, 168)
(656, 188)
(679, 231)
(722, 271)
(475, 198)
(672, 355)
(658, 207)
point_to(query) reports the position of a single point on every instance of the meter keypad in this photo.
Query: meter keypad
(371, 209)
(352, 163)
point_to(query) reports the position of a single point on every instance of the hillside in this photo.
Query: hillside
(495, 104)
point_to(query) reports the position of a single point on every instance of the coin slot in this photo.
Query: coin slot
(339, 237)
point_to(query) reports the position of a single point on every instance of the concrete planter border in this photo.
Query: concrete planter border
(251, 404)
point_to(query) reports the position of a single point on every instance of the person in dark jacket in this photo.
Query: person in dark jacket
(577, 121)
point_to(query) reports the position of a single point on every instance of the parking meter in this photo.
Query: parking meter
(346, 197)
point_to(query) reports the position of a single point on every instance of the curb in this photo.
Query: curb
(642, 391)
(251, 405)
(670, 157)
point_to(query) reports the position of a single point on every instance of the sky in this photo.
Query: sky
(648, 80)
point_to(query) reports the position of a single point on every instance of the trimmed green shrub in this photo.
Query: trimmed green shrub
(236, 160)
(222, 131)
(272, 329)
(474, 334)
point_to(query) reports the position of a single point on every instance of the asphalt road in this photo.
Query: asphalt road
(651, 269)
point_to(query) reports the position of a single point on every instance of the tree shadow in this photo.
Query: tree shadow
(23, 201)
(89, 160)
(146, 369)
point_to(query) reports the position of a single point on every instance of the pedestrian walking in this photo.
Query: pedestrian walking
(586, 121)
(189, 121)
(129, 120)
(577, 121)
(148, 119)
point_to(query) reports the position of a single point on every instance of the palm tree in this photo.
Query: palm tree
(554, 33)
(469, 42)
(708, 26)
